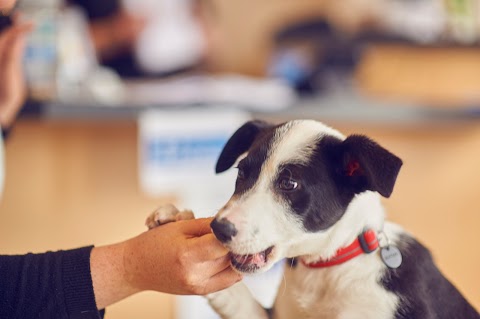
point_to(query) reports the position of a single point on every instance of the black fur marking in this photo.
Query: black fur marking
(378, 168)
(315, 200)
(424, 292)
(319, 201)
(239, 143)
(328, 183)
(251, 165)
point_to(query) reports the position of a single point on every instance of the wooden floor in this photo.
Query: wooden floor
(71, 184)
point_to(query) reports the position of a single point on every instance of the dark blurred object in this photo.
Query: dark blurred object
(113, 33)
(308, 52)
(95, 9)
(5, 21)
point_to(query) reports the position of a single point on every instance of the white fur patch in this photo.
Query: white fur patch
(295, 141)
(350, 290)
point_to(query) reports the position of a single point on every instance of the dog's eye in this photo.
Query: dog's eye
(287, 184)
(241, 173)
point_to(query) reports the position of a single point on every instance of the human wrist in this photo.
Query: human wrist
(136, 264)
(109, 277)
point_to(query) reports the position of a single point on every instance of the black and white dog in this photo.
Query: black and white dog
(306, 192)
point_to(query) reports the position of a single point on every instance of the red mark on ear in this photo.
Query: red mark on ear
(352, 167)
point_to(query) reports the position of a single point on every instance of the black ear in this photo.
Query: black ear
(362, 164)
(239, 143)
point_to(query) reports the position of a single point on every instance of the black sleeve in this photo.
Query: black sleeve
(50, 285)
(5, 133)
(97, 9)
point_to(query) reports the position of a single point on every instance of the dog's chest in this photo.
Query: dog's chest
(343, 292)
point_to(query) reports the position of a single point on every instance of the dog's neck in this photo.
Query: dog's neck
(364, 212)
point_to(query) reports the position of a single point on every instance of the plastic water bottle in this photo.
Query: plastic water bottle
(41, 56)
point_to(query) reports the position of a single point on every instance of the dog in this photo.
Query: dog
(307, 194)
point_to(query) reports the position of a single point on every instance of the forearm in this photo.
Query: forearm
(108, 275)
(62, 284)
(53, 285)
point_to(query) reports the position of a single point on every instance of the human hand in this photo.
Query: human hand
(107, 39)
(12, 84)
(131, 25)
(181, 258)
(6, 5)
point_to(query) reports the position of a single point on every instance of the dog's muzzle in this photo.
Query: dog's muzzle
(223, 230)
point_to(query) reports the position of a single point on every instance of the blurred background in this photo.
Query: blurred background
(130, 103)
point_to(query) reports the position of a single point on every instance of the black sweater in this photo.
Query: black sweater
(50, 285)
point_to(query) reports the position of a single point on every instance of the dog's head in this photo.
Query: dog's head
(294, 180)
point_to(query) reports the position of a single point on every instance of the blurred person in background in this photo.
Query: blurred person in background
(114, 32)
(140, 38)
(177, 258)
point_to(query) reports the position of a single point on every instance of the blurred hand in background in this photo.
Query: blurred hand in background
(116, 34)
(6, 5)
(12, 83)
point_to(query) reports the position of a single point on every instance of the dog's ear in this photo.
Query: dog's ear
(239, 143)
(362, 164)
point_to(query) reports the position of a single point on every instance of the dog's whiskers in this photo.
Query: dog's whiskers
(284, 280)
(292, 260)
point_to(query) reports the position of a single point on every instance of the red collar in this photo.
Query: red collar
(366, 242)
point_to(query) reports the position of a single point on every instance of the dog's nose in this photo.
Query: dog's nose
(223, 230)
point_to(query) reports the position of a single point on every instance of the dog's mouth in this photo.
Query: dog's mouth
(251, 263)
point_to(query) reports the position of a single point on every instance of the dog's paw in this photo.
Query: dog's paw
(236, 302)
(167, 214)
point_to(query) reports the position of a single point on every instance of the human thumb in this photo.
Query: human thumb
(197, 227)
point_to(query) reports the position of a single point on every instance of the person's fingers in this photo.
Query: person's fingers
(15, 16)
(16, 47)
(20, 29)
(214, 267)
(211, 248)
(4, 36)
(13, 55)
(12, 42)
(18, 26)
(196, 227)
(13, 91)
(18, 20)
(222, 280)
(6, 5)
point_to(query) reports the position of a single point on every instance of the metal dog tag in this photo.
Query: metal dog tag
(391, 256)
